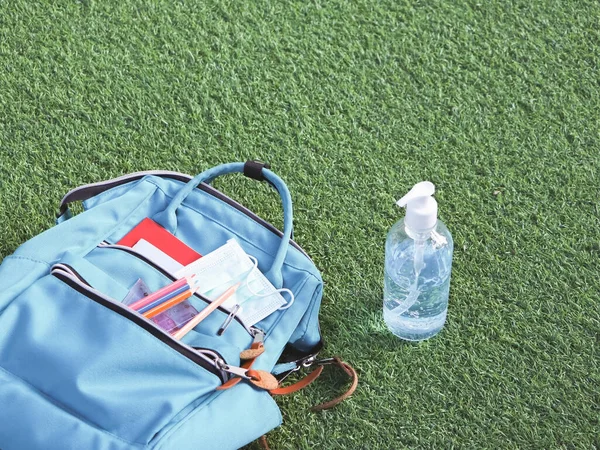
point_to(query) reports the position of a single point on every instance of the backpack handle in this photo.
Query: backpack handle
(168, 217)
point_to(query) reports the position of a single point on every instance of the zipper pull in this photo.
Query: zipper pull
(258, 378)
(259, 335)
(234, 370)
(257, 347)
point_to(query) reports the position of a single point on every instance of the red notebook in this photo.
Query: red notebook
(152, 232)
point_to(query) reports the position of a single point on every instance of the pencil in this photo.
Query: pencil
(164, 298)
(168, 304)
(157, 294)
(205, 312)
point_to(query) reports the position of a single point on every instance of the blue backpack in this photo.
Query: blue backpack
(78, 370)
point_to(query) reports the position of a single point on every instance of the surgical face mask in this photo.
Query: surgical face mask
(230, 265)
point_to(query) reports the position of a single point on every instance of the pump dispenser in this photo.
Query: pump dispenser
(418, 262)
(421, 207)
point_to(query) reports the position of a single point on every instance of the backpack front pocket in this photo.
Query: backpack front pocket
(126, 266)
(98, 364)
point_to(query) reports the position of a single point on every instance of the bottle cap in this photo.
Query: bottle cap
(421, 207)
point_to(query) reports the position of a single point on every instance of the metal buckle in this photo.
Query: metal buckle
(324, 361)
(306, 363)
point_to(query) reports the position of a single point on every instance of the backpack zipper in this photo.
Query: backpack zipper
(218, 194)
(90, 190)
(209, 360)
(104, 244)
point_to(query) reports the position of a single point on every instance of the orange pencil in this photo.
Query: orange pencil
(205, 312)
(168, 304)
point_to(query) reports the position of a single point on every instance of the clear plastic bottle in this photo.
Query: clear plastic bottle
(418, 263)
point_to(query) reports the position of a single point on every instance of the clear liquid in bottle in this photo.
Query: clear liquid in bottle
(417, 281)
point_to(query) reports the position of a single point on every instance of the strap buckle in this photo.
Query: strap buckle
(322, 362)
(314, 374)
(307, 363)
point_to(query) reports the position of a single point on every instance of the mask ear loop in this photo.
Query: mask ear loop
(280, 291)
(292, 298)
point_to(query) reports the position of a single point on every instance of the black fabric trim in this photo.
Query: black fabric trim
(253, 169)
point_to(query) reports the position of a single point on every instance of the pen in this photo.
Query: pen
(205, 312)
(228, 320)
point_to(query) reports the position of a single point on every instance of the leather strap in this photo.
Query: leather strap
(263, 379)
(347, 368)
(255, 350)
(300, 384)
(263, 442)
(336, 401)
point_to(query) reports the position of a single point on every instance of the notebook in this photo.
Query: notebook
(160, 238)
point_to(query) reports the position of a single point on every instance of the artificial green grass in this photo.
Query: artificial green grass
(353, 102)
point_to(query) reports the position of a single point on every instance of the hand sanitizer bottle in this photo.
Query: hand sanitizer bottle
(418, 261)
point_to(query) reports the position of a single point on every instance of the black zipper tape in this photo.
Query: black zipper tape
(141, 322)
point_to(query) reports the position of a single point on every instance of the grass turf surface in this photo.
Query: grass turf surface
(352, 102)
